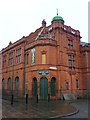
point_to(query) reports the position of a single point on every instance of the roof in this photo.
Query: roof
(84, 44)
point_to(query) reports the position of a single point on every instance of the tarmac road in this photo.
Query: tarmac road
(84, 109)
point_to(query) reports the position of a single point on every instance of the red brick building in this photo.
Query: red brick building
(52, 60)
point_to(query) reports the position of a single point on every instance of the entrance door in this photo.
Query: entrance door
(43, 88)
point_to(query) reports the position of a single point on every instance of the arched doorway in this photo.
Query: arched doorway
(53, 86)
(35, 91)
(43, 88)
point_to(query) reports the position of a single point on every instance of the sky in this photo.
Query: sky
(19, 18)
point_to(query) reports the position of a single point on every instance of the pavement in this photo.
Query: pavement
(42, 109)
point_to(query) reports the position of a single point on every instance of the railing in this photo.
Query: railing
(78, 93)
(71, 30)
(20, 96)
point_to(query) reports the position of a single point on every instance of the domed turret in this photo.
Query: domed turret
(58, 19)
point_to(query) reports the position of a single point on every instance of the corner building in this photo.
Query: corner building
(51, 60)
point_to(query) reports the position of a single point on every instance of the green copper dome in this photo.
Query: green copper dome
(58, 19)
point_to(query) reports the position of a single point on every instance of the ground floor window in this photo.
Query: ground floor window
(35, 86)
(17, 83)
(9, 84)
(77, 84)
(67, 85)
(3, 84)
(53, 86)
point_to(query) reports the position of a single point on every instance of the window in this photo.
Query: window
(43, 58)
(67, 85)
(70, 43)
(53, 86)
(18, 55)
(33, 56)
(10, 61)
(9, 84)
(17, 83)
(77, 84)
(71, 61)
(4, 60)
(3, 84)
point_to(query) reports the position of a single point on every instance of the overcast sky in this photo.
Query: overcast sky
(21, 17)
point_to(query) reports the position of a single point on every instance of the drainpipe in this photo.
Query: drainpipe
(24, 90)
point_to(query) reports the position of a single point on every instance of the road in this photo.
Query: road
(83, 107)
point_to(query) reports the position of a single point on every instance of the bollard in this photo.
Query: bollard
(37, 98)
(26, 98)
(12, 99)
(48, 97)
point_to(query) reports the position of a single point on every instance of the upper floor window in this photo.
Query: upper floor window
(18, 55)
(44, 58)
(11, 59)
(33, 56)
(71, 61)
(70, 43)
(4, 60)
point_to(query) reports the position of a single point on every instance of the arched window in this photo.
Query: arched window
(17, 83)
(3, 84)
(34, 86)
(53, 86)
(9, 84)
(67, 85)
